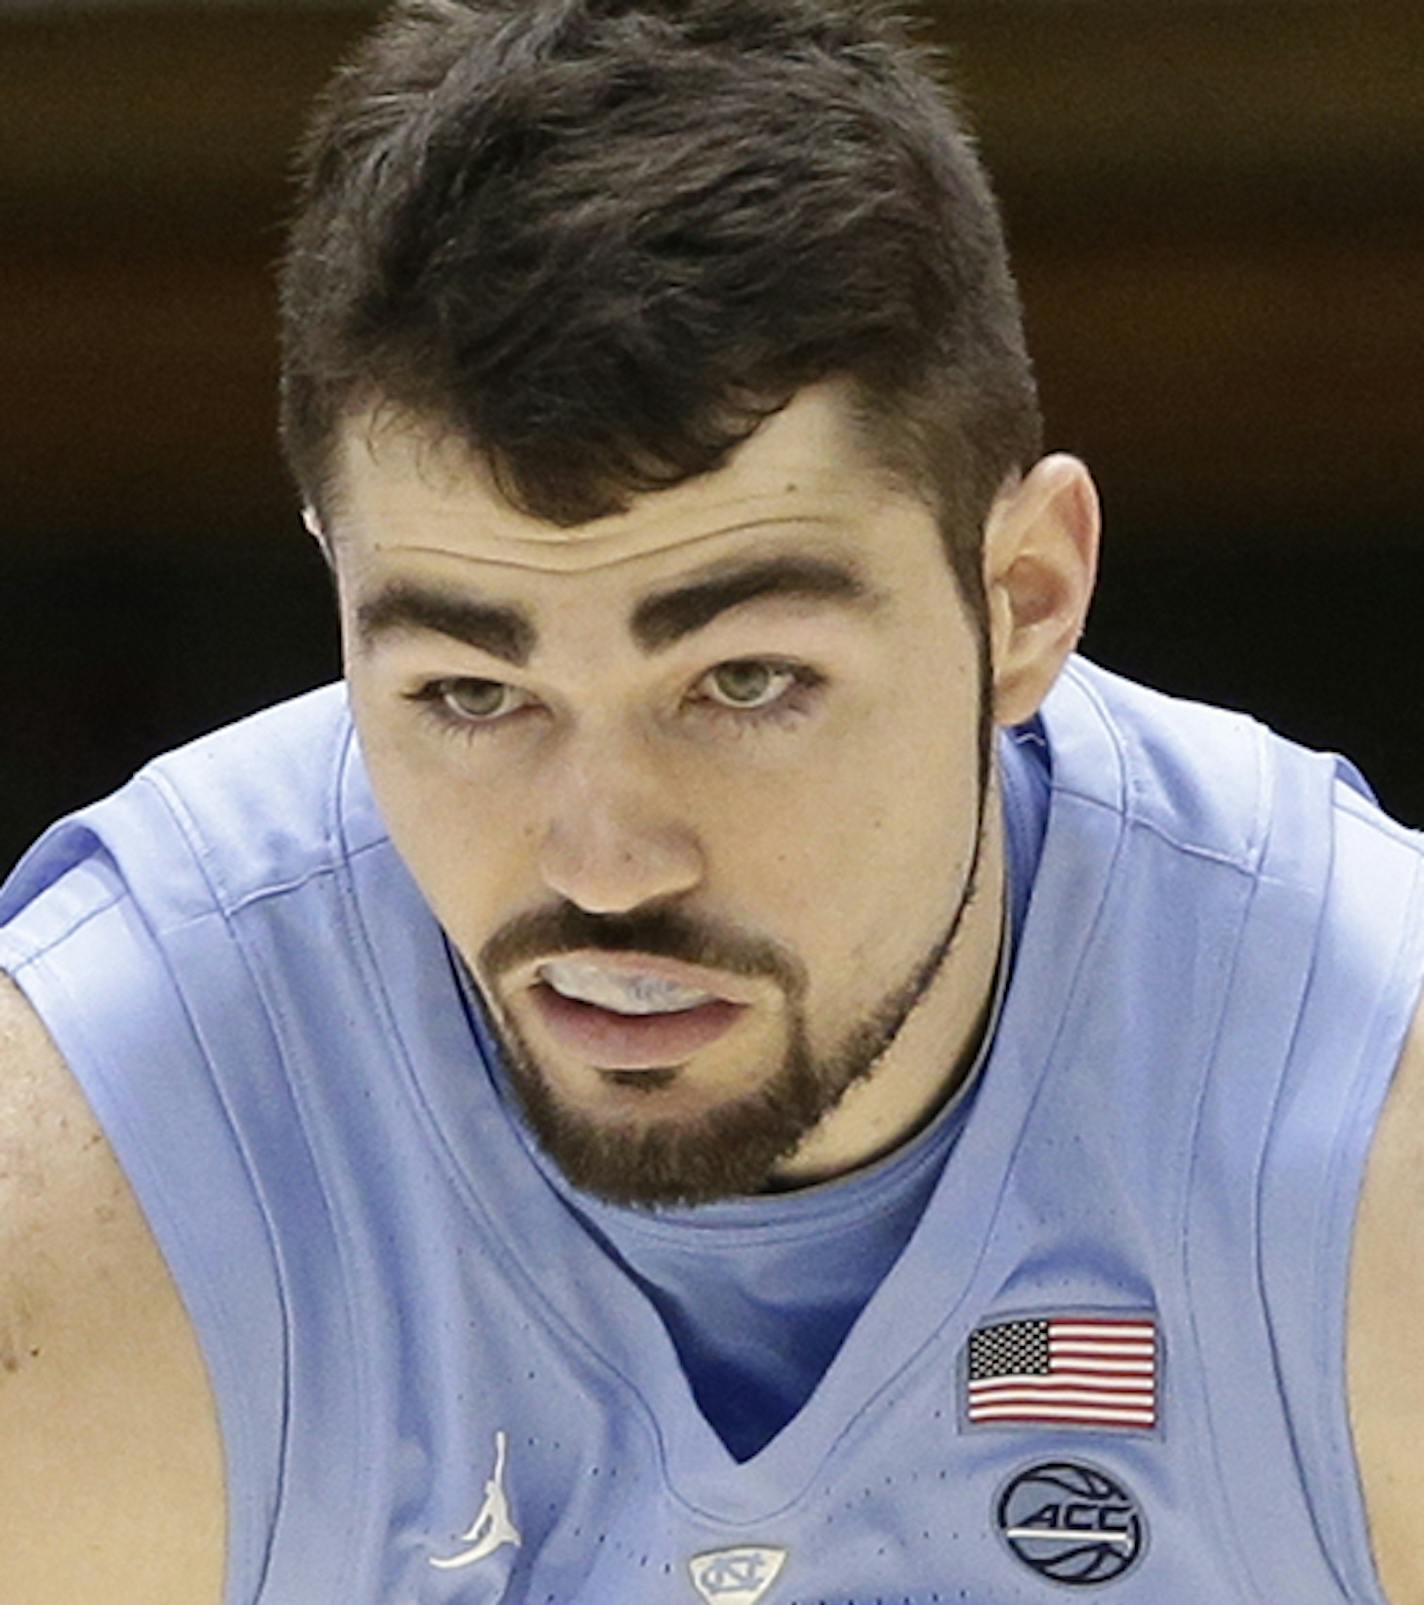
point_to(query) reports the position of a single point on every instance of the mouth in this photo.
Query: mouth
(612, 1041)
(618, 979)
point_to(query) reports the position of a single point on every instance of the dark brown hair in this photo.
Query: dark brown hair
(599, 241)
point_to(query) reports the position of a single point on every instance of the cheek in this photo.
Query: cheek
(868, 837)
(895, 835)
(448, 830)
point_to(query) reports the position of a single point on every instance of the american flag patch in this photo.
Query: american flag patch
(1086, 1371)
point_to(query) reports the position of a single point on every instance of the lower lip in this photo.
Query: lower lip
(632, 1041)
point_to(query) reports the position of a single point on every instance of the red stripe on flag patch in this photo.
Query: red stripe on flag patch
(1087, 1371)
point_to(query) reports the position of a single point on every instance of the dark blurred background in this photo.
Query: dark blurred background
(1217, 213)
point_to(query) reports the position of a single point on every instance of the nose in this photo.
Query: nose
(614, 835)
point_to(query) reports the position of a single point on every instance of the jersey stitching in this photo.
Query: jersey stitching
(28, 955)
(172, 800)
(276, 1020)
(1130, 816)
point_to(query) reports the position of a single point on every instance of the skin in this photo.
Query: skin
(1384, 1355)
(111, 1479)
(612, 784)
(102, 1388)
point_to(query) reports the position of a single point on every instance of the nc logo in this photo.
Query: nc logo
(736, 1576)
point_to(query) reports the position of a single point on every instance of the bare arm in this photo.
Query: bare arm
(110, 1475)
(1386, 1350)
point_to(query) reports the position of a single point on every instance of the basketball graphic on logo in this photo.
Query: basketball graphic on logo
(1072, 1522)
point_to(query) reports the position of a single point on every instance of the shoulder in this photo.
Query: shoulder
(254, 804)
(111, 1478)
(261, 803)
(1386, 1361)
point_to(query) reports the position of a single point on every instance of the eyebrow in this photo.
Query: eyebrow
(507, 631)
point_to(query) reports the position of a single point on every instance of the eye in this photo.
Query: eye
(466, 705)
(760, 692)
(748, 685)
(479, 701)
(756, 692)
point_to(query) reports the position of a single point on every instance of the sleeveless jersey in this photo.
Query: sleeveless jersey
(1111, 1353)
(758, 1293)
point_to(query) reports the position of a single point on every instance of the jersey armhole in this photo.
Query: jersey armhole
(100, 983)
(1357, 1019)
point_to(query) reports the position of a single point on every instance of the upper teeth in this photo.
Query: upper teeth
(627, 994)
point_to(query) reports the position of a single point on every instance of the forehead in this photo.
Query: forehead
(407, 497)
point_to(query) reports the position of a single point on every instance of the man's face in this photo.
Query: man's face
(729, 740)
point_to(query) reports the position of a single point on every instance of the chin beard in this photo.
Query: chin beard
(732, 1151)
(728, 1152)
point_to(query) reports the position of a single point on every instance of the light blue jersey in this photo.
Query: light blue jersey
(1109, 1356)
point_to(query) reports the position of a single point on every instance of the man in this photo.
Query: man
(740, 1068)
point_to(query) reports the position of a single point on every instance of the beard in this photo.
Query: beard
(732, 1150)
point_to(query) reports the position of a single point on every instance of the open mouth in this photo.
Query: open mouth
(615, 1041)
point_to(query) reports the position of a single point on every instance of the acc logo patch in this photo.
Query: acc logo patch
(736, 1576)
(1072, 1522)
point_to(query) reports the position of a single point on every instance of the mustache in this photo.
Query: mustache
(661, 933)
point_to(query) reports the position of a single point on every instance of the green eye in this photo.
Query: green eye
(747, 682)
(473, 699)
(757, 694)
(760, 694)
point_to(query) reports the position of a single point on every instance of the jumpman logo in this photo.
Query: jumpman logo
(492, 1526)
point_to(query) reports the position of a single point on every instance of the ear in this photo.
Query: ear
(314, 528)
(1040, 562)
